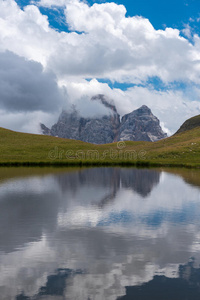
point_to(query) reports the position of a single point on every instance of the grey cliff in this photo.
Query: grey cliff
(139, 125)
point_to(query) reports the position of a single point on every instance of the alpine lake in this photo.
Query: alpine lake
(105, 233)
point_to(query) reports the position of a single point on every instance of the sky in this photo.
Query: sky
(55, 53)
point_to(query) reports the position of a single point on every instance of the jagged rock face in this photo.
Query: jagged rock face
(45, 130)
(67, 125)
(140, 125)
(101, 130)
(97, 130)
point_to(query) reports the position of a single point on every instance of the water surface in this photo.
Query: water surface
(99, 233)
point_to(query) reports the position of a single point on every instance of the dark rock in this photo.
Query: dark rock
(140, 125)
(67, 125)
(97, 130)
(45, 130)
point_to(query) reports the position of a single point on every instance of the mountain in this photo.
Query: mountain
(189, 124)
(139, 125)
(101, 129)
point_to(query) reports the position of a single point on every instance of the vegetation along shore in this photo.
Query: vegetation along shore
(22, 149)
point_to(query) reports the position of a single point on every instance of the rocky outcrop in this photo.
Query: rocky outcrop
(68, 125)
(139, 125)
(45, 129)
(98, 130)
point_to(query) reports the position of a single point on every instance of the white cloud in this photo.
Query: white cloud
(106, 16)
(131, 255)
(187, 31)
(49, 3)
(108, 45)
(26, 33)
(26, 121)
(121, 48)
(171, 107)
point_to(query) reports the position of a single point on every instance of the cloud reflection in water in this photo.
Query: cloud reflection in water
(88, 234)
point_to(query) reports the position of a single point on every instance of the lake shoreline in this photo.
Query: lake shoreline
(81, 163)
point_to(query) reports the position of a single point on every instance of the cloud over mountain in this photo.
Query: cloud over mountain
(100, 42)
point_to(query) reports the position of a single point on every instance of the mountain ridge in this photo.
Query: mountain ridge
(189, 124)
(138, 125)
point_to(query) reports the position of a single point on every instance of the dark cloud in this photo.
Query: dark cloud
(25, 86)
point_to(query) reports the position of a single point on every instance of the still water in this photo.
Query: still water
(99, 234)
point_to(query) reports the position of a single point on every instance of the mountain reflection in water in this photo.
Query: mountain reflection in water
(100, 233)
(186, 286)
(142, 181)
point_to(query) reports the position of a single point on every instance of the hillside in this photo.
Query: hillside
(189, 124)
(28, 149)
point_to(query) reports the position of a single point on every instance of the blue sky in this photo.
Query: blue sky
(134, 52)
(176, 14)
(169, 13)
(160, 13)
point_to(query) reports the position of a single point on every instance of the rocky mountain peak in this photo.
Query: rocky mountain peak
(139, 125)
(143, 110)
(98, 130)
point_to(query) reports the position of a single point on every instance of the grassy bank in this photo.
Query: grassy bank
(17, 149)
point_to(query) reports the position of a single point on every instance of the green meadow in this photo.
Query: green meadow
(22, 149)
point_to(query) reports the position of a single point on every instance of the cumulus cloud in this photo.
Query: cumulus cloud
(172, 107)
(108, 44)
(49, 3)
(89, 108)
(24, 86)
(102, 42)
(28, 94)
(24, 32)
(123, 49)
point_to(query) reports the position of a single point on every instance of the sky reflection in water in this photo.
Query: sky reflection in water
(102, 233)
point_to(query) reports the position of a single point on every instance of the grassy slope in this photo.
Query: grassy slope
(181, 149)
(189, 124)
